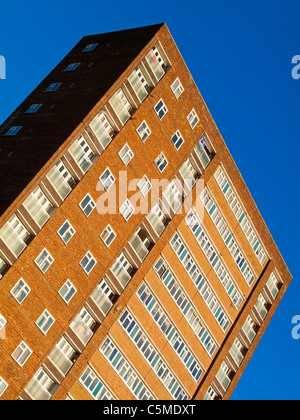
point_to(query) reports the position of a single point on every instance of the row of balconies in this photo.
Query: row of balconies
(245, 339)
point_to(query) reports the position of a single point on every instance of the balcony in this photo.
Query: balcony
(39, 207)
(141, 243)
(81, 329)
(156, 63)
(262, 307)
(140, 83)
(158, 219)
(121, 106)
(102, 299)
(122, 270)
(204, 152)
(61, 179)
(102, 129)
(82, 153)
(223, 379)
(41, 387)
(15, 236)
(62, 356)
(189, 173)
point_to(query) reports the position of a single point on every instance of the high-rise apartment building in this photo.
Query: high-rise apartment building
(134, 262)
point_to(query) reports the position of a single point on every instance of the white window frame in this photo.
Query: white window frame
(91, 203)
(143, 131)
(126, 154)
(178, 138)
(47, 317)
(3, 386)
(177, 90)
(90, 258)
(108, 236)
(192, 117)
(17, 291)
(68, 233)
(3, 322)
(126, 210)
(109, 179)
(160, 161)
(48, 259)
(21, 351)
(68, 285)
(144, 185)
(162, 108)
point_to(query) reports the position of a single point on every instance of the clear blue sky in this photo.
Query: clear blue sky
(239, 53)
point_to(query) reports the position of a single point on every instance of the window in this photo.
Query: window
(144, 185)
(53, 87)
(13, 130)
(2, 322)
(3, 267)
(203, 152)
(67, 291)
(125, 370)
(15, 235)
(88, 262)
(156, 62)
(21, 354)
(72, 67)
(183, 302)
(102, 129)
(126, 154)
(108, 236)
(161, 162)
(139, 83)
(214, 259)
(3, 386)
(173, 195)
(44, 261)
(193, 119)
(61, 179)
(107, 179)
(127, 210)
(95, 386)
(143, 131)
(20, 291)
(39, 207)
(152, 356)
(177, 140)
(82, 153)
(121, 106)
(177, 88)
(45, 322)
(90, 47)
(66, 232)
(122, 269)
(160, 109)
(87, 205)
(33, 109)
(169, 330)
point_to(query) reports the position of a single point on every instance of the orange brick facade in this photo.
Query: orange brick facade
(21, 319)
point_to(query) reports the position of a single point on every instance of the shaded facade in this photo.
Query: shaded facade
(169, 303)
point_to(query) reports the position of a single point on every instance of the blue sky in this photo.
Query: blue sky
(239, 53)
